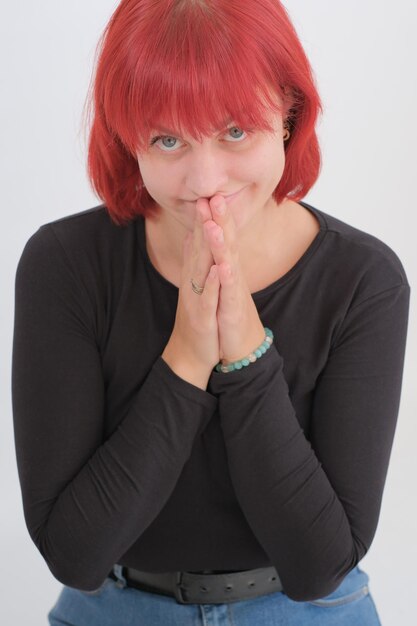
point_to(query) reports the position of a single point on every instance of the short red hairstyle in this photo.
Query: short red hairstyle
(192, 64)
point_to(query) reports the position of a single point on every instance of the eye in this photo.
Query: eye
(164, 138)
(239, 130)
(168, 141)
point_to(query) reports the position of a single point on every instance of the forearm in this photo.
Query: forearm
(90, 515)
(315, 506)
(281, 486)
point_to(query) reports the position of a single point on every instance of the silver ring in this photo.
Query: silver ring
(196, 288)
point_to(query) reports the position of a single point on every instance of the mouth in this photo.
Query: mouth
(228, 198)
(233, 195)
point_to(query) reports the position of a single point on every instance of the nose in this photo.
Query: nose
(207, 172)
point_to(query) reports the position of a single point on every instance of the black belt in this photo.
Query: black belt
(203, 588)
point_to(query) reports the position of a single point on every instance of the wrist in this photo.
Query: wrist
(186, 368)
(251, 357)
(253, 342)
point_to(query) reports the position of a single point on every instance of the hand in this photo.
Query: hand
(240, 329)
(194, 341)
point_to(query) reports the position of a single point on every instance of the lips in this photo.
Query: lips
(233, 195)
(228, 198)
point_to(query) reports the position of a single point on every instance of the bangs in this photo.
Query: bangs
(191, 74)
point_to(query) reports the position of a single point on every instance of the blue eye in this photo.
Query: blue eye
(171, 140)
(238, 129)
(163, 137)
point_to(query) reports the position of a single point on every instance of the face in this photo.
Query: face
(247, 166)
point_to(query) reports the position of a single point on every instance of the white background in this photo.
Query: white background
(362, 54)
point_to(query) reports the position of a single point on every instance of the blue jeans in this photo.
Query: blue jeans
(114, 604)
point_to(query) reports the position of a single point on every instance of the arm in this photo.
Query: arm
(86, 499)
(314, 507)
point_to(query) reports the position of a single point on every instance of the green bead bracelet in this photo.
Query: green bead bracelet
(251, 358)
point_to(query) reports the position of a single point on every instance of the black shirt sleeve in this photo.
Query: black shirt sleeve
(314, 504)
(86, 498)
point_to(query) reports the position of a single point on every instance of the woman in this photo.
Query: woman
(206, 369)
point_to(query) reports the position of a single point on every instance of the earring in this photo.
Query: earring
(287, 133)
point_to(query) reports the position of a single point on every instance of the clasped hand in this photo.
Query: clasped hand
(240, 329)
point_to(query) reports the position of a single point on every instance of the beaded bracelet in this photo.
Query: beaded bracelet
(251, 358)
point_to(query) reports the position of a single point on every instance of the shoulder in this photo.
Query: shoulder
(75, 268)
(83, 259)
(87, 227)
(81, 237)
(358, 261)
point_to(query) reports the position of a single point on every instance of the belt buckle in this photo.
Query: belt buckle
(178, 589)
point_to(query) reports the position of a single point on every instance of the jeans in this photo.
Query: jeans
(114, 604)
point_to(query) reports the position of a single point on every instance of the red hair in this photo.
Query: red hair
(192, 64)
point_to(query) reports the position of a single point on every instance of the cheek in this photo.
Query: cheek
(154, 180)
(277, 170)
(148, 168)
(269, 166)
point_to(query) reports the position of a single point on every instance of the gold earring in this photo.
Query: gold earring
(287, 133)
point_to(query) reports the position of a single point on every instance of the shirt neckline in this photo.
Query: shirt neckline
(293, 271)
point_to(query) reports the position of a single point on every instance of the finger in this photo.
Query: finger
(186, 258)
(223, 217)
(222, 225)
(233, 292)
(189, 267)
(202, 257)
(210, 295)
(226, 275)
(203, 207)
(220, 250)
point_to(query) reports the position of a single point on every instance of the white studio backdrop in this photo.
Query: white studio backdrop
(362, 53)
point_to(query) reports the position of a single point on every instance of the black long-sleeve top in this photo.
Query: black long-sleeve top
(281, 463)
